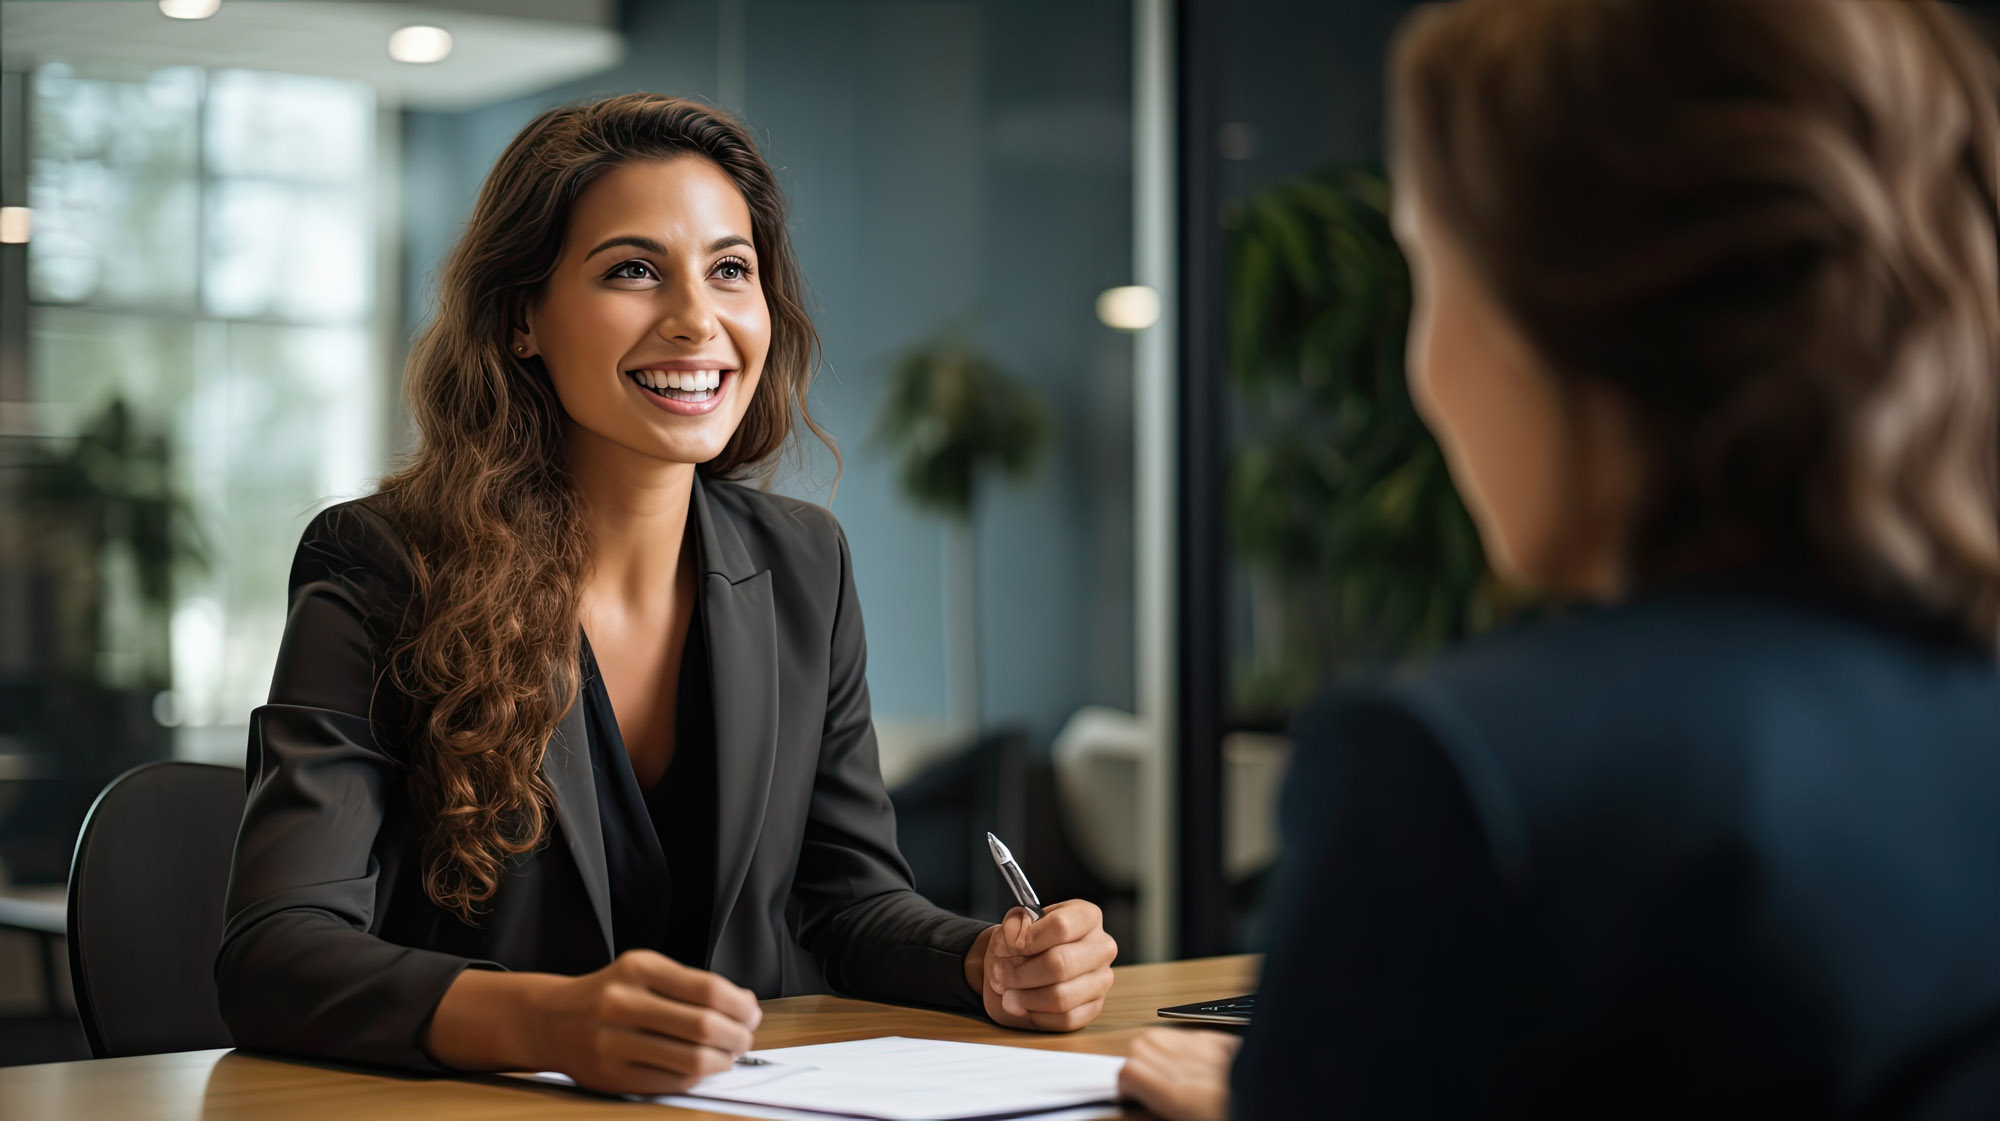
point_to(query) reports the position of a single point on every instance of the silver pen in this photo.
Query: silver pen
(1011, 872)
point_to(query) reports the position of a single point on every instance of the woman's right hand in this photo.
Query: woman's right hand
(645, 1024)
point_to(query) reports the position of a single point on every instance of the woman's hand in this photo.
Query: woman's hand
(1049, 974)
(1181, 1075)
(645, 1024)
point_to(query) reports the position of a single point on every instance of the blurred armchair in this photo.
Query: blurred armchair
(1099, 761)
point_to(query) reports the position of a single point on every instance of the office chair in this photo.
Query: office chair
(145, 908)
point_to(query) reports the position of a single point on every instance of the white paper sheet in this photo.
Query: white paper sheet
(893, 1078)
(771, 1113)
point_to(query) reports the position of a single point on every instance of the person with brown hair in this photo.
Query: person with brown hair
(1707, 319)
(568, 756)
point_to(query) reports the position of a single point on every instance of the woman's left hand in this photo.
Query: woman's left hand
(1048, 974)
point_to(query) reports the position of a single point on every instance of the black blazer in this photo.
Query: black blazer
(1713, 854)
(332, 949)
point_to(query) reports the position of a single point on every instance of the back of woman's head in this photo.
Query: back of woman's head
(1772, 227)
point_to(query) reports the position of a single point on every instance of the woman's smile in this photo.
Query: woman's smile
(683, 389)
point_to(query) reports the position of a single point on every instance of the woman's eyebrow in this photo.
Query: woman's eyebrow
(654, 247)
(633, 240)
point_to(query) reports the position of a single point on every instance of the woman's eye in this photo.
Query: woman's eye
(732, 269)
(631, 270)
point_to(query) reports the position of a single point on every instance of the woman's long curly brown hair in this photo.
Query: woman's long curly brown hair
(488, 652)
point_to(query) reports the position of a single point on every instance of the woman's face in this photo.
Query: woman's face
(1549, 474)
(653, 325)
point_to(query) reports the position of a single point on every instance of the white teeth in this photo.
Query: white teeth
(685, 381)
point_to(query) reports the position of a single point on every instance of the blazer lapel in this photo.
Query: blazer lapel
(566, 768)
(742, 628)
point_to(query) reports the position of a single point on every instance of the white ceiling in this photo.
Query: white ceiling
(497, 53)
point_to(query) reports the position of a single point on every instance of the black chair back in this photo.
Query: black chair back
(145, 908)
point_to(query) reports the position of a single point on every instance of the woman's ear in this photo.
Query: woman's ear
(523, 343)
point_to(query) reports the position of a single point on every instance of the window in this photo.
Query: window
(203, 260)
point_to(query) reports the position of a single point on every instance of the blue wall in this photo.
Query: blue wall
(960, 162)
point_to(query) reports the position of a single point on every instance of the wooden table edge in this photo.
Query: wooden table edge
(230, 1085)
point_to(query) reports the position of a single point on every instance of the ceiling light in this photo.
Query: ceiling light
(189, 9)
(419, 43)
(14, 223)
(1132, 308)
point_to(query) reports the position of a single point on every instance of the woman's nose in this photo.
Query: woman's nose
(686, 314)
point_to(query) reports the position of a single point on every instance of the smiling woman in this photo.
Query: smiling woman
(568, 755)
(613, 314)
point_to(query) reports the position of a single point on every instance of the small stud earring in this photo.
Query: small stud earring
(521, 348)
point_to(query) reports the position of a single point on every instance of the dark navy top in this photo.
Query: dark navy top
(659, 844)
(1728, 851)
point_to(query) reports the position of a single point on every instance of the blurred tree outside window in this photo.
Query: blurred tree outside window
(200, 297)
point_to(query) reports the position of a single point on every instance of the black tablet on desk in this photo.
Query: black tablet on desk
(1235, 1010)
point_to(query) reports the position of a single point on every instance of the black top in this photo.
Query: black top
(659, 844)
(1718, 854)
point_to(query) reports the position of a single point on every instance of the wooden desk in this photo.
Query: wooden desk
(227, 1086)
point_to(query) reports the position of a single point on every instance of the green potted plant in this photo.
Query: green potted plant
(1354, 544)
(105, 512)
(97, 531)
(951, 418)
